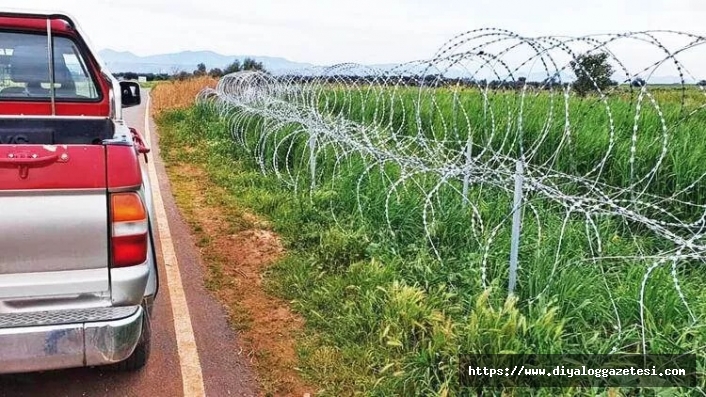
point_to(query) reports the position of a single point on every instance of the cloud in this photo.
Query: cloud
(366, 31)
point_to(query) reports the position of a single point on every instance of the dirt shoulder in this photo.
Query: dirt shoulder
(236, 248)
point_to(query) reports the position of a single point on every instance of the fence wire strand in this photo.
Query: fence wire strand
(459, 122)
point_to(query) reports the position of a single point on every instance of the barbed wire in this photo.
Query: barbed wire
(489, 99)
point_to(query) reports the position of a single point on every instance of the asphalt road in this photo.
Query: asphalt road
(196, 355)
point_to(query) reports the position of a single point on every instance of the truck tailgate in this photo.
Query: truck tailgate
(53, 221)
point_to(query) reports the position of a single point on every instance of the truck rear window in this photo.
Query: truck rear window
(25, 71)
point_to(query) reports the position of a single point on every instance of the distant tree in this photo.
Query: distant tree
(200, 70)
(157, 77)
(550, 83)
(701, 83)
(251, 64)
(148, 76)
(638, 82)
(183, 75)
(233, 67)
(216, 73)
(592, 72)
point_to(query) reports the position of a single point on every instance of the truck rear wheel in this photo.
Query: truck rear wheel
(141, 355)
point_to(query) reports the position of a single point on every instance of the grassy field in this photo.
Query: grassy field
(449, 115)
(178, 94)
(385, 316)
(152, 84)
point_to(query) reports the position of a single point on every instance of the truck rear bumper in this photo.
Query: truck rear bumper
(66, 339)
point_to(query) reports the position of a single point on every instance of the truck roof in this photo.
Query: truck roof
(60, 23)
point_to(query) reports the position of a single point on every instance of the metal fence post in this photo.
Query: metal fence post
(516, 224)
(467, 176)
(312, 160)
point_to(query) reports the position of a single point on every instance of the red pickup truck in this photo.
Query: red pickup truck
(78, 272)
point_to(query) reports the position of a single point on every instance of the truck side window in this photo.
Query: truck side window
(25, 71)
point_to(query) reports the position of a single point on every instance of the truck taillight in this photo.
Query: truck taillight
(128, 229)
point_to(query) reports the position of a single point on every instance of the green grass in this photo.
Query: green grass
(151, 84)
(445, 115)
(385, 317)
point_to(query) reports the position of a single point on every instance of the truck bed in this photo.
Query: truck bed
(55, 130)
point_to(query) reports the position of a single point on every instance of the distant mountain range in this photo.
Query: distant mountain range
(125, 61)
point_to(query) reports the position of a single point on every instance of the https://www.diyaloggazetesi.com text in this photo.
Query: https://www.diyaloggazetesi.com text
(575, 370)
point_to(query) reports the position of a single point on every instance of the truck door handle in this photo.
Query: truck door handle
(13, 160)
(26, 161)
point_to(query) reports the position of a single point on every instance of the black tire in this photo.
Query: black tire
(141, 355)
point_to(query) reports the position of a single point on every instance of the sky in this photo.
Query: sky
(327, 32)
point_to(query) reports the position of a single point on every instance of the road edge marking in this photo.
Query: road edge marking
(189, 362)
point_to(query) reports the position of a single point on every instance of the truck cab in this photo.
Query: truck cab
(78, 271)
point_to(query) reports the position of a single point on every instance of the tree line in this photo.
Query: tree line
(593, 72)
(200, 71)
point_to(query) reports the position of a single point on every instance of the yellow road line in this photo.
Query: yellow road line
(191, 374)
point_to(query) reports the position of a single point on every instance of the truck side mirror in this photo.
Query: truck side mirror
(130, 93)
